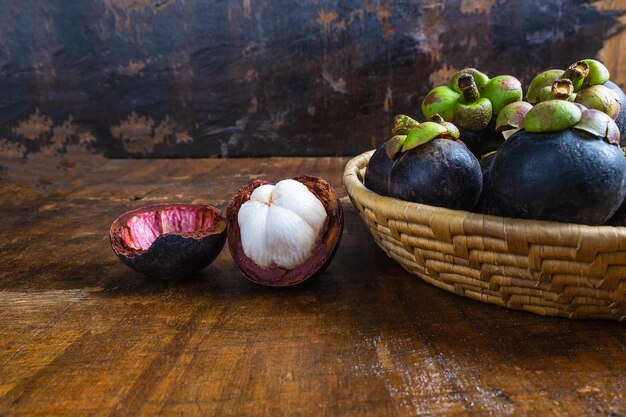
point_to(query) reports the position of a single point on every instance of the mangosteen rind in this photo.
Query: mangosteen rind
(173, 255)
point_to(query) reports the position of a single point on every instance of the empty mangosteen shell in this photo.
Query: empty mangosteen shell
(171, 255)
(322, 254)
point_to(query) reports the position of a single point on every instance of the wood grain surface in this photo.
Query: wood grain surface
(190, 78)
(83, 335)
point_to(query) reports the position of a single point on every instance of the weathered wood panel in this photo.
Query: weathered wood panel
(83, 335)
(261, 77)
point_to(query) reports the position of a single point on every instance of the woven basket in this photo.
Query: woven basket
(548, 268)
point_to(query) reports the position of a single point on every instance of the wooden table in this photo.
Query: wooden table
(83, 335)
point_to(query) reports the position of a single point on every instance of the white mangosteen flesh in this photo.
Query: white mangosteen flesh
(280, 224)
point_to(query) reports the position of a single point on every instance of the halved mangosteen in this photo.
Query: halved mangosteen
(169, 241)
(284, 234)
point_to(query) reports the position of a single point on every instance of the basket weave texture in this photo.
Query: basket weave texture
(548, 268)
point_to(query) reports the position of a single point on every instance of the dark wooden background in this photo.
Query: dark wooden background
(180, 78)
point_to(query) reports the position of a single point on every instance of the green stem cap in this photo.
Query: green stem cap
(394, 146)
(402, 124)
(552, 116)
(512, 116)
(440, 100)
(598, 73)
(599, 124)
(600, 98)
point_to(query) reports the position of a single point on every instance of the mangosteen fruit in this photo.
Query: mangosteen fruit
(472, 102)
(285, 233)
(432, 167)
(376, 176)
(564, 165)
(169, 241)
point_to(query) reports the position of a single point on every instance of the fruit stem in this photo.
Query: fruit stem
(577, 73)
(562, 89)
(468, 86)
(437, 118)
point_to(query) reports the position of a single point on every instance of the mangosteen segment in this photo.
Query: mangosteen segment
(169, 240)
(284, 234)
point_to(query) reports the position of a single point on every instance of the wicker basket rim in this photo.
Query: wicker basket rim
(397, 209)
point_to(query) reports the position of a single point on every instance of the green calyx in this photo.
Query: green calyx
(598, 73)
(418, 134)
(402, 124)
(472, 111)
(472, 99)
(474, 116)
(557, 115)
(440, 100)
(600, 98)
(394, 146)
(453, 131)
(511, 118)
(586, 73)
(552, 116)
(545, 79)
(599, 124)
(422, 134)
(502, 90)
